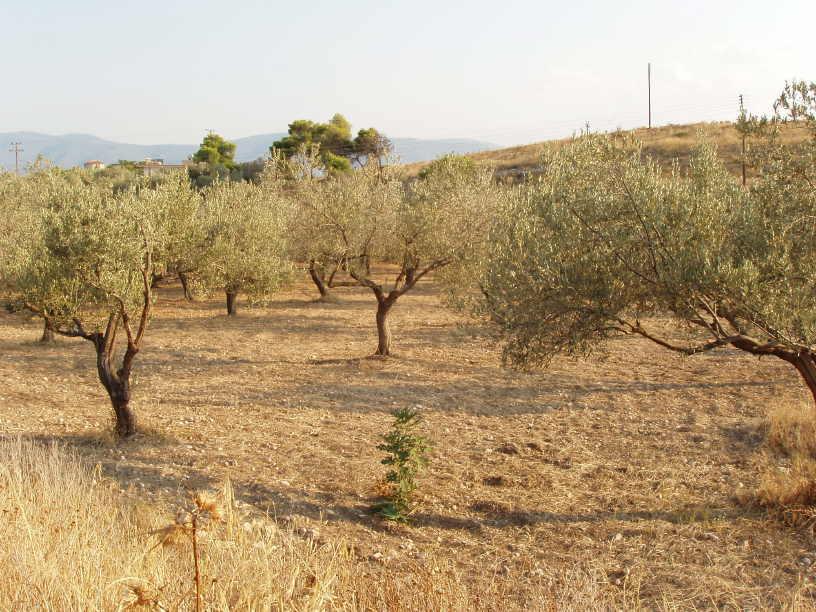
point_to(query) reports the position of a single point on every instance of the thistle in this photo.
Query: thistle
(203, 510)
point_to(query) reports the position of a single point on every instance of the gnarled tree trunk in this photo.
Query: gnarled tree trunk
(406, 281)
(337, 267)
(185, 286)
(806, 365)
(232, 303)
(48, 331)
(383, 327)
(119, 393)
(316, 273)
(117, 384)
(802, 360)
(117, 380)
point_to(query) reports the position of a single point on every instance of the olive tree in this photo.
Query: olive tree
(91, 274)
(16, 225)
(320, 249)
(313, 242)
(439, 221)
(181, 256)
(244, 243)
(23, 201)
(16, 220)
(605, 242)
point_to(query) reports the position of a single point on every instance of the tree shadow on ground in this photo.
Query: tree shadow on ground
(286, 502)
(746, 438)
(496, 515)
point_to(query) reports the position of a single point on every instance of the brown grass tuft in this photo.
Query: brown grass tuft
(789, 493)
(791, 430)
(788, 489)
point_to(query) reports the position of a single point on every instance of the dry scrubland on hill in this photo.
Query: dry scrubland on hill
(625, 480)
(665, 144)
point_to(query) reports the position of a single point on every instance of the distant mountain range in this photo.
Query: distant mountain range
(75, 149)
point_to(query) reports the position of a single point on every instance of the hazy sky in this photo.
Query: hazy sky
(508, 71)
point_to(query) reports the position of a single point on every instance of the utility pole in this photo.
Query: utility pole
(16, 148)
(744, 127)
(649, 77)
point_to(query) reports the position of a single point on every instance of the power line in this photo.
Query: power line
(16, 148)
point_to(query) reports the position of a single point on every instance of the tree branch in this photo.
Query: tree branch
(637, 328)
(367, 282)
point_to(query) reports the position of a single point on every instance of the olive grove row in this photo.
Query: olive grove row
(595, 247)
(85, 253)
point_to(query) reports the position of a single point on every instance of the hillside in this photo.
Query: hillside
(75, 149)
(665, 144)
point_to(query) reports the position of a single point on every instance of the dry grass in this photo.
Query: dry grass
(665, 144)
(608, 483)
(788, 489)
(792, 430)
(72, 540)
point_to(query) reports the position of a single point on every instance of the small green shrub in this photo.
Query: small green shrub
(407, 456)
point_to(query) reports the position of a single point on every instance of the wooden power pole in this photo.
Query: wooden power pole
(649, 89)
(743, 119)
(16, 148)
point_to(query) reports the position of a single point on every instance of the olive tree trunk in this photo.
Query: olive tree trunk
(116, 380)
(185, 286)
(317, 276)
(407, 279)
(232, 303)
(48, 331)
(337, 267)
(804, 361)
(806, 366)
(801, 358)
(117, 384)
(383, 327)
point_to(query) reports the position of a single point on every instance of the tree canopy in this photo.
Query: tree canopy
(245, 241)
(606, 242)
(215, 150)
(334, 138)
(371, 144)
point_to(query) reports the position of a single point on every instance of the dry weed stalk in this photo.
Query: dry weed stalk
(189, 521)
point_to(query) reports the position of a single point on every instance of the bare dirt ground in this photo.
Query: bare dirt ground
(628, 466)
